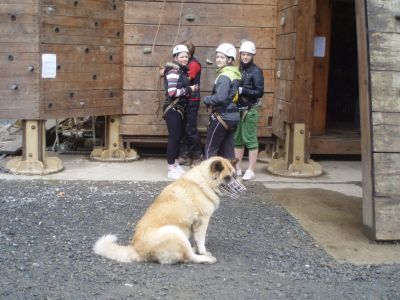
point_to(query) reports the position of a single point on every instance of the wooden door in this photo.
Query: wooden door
(321, 67)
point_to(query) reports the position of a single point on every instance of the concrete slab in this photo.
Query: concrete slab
(80, 167)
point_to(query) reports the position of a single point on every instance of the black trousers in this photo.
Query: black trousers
(191, 144)
(220, 142)
(175, 126)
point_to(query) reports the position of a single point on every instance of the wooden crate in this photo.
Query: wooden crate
(87, 39)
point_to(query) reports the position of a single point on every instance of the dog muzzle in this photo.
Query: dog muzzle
(232, 189)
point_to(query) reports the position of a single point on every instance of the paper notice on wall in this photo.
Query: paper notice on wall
(49, 65)
(319, 46)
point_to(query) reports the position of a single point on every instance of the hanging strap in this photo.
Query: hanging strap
(219, 118)
(171, 105)
(244, 114)
(158, 92)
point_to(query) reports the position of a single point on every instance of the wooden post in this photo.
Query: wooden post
(297, 115)
(34, 160)
(292, 162)
(379, 77)
(113, 144)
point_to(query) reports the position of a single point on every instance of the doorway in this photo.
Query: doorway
(343, 113)
(335, 127)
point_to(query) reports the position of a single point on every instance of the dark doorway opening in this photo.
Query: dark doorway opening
(342, 115)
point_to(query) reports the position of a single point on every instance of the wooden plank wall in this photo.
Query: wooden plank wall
(87, 37)
(19, 49)
(285, 65)
(214, 22)
(384, 59)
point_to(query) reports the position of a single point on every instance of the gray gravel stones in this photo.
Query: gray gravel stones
(48, 228)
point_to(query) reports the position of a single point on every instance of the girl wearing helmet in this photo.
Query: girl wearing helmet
(177, 92)
(251, 89)
(225, 114)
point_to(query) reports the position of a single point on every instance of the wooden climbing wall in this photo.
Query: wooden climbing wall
(207, 25)
(87, 40)
(19, 50)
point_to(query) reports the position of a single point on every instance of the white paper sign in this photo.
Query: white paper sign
(49, 65)
(319, 46)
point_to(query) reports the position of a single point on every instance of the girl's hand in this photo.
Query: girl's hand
(194, 87)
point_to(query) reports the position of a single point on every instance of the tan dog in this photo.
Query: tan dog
(182, 210)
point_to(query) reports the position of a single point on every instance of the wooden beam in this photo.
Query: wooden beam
(365, 120)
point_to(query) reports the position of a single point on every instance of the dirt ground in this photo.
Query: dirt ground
(334, 220)
(48, 228)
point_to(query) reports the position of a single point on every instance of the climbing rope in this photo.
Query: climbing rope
(158, 27)
(158, 76)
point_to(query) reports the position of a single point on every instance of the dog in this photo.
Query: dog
(182, 211)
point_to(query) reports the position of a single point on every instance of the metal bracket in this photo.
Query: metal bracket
(34, 160)
(296, 165)
(113, 151)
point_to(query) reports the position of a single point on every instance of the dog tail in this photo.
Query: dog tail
(107, 246)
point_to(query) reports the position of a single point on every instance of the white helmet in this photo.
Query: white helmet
(248, 47)
(179, 48)
(227, 49)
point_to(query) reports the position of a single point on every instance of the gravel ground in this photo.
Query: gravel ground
(48, 228)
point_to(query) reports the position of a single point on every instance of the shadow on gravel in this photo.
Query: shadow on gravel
(48, 228)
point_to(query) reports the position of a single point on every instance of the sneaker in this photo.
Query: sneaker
(174, 174)
(180, 169)
(238, 172)
(195, 162)
(248, 175)
(183, 160)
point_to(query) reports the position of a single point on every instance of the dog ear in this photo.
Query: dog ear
(234, 161)
(216, 167)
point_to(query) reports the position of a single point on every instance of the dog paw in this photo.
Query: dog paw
(211, 260)
(203, 251)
